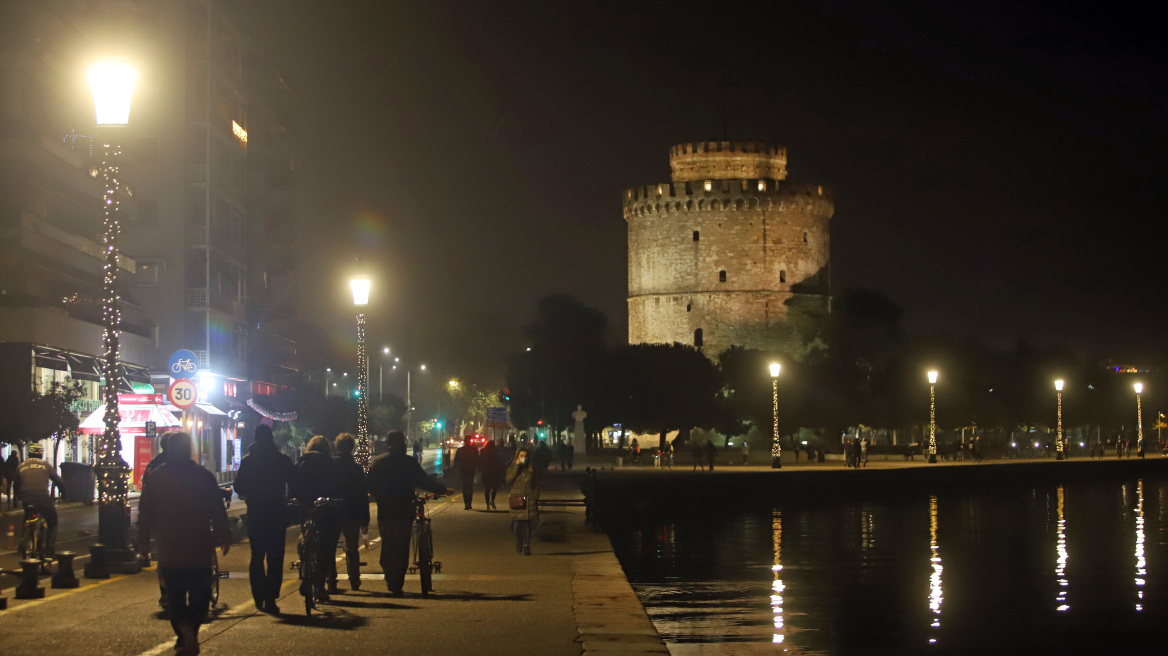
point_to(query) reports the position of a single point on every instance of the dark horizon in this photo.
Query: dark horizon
(992, 166)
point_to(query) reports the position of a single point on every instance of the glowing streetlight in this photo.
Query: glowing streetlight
(360, 286)
(112, 84)
(1060, 444)
(776, 447)
(932, 416)
(1139, 387)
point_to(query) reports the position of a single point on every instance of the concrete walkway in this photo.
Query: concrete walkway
(569, 597)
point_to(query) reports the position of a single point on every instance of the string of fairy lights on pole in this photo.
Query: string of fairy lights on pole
(360, 287)
(932, 416)
(1139, 387)
(776, 447)
(113, 86)
(1060, 443)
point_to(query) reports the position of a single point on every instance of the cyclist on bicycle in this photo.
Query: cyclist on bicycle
(392, 479)
(32, 488)
(318, 476)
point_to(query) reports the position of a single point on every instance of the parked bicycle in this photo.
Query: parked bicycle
(423, 544)
(311, 578)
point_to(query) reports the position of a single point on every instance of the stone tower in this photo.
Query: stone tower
(715, 255)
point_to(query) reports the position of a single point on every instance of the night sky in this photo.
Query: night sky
(998, 167)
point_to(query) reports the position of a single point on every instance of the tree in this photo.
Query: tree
(667, 387)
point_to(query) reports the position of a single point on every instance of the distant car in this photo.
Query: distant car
(477, 440)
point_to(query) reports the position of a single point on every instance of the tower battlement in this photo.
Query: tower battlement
(727, 160)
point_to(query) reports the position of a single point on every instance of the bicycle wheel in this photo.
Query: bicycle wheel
(424, 557)
(214, 578)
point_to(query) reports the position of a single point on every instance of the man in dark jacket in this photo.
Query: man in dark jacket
(180, 505)
(317, 476)
(392, 479)
(354, 513)
(262, 481)
(34, 478)
(466, 462)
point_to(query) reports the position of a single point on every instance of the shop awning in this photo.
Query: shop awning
(133, 419)
(83, 367)
(47, 358)
(205, 407)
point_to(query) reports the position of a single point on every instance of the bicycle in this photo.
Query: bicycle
(33, 542)
(311, 580)
(422, 540)
(183, 365)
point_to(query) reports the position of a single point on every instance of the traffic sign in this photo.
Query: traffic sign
(151, 429)
(183, 393)
(497, 417)
(183, 364)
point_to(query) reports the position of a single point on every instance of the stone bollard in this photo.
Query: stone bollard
(65, 578)
(29, 587)
(97, 568)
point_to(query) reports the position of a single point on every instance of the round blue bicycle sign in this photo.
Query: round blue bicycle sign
(183, 364)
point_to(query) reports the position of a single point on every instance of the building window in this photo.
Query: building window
(146, 274)
(697, 235)
(688, 307)
(762, 185)
(722, 276)
(804, 236)
(698, 338)
(782, 276)
(709, 185)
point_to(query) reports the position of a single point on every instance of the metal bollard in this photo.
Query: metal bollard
(97, 568)
(29, 587)
(65, 578)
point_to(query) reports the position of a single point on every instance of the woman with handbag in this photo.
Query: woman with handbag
(524, 499)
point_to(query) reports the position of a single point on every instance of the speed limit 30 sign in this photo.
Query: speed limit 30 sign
(183, 393)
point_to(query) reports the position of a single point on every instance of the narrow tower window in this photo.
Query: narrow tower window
(782, 276)
(697, 235)
(722, 276)
(688, 307)
(698, 338)
(804, 236)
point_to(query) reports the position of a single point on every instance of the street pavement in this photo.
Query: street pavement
(569, 597)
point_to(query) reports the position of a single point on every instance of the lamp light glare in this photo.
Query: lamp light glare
(1139, 388)
(1058, 384)
(385, 350)
(932, 377)
(360, 286)
(775, 369)
(113, 87)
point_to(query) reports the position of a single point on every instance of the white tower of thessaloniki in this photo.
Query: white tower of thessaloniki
(715, 255)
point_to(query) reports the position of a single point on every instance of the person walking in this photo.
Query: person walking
(848, 458)
(11, 465)
(542, 457)
(418, 450)
(354, 512)
(466, 462)
(864, 451)
(317, 476)
(635, 452)
(745, 451)
(698, 455)
(523, 500)
(490, 473)
(182, 506)
(393, 477)
(262, 482)
(857, 452)
(711, 453)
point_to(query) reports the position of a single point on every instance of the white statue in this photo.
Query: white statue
(578, 430)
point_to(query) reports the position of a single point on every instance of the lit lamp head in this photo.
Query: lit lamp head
(1058, 384)
(453, 383)
(775, 369)
(385, 350)
(932, 377)
(360, 286)
(112, 83)
(1139, 388)
(423, 367)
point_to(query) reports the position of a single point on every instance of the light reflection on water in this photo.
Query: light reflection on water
(839, 577)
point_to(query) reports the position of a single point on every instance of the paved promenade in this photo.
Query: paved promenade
(570, 597)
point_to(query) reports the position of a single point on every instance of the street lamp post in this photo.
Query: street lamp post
(113, 89)
(1139, 387)
(1060, 444)
(776, 447)
(932, 416)
(360, 286)
(381, 375)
